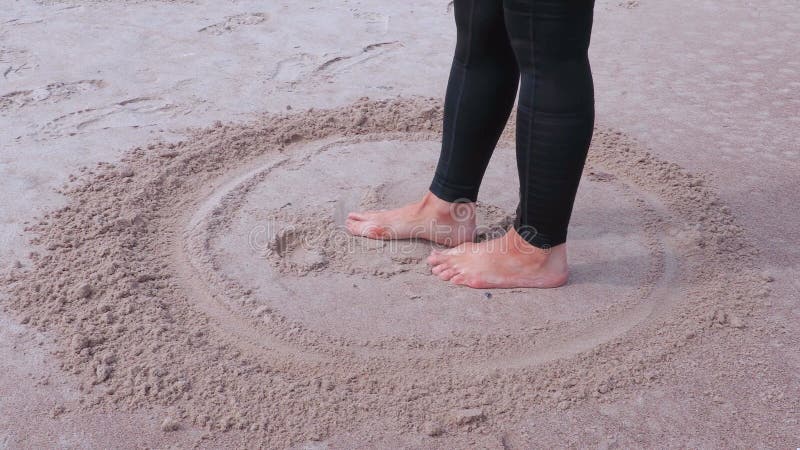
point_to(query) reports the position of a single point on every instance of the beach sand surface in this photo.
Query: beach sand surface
(174, 270)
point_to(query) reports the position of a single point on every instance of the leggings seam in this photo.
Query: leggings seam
(530, 128)
(461, 87)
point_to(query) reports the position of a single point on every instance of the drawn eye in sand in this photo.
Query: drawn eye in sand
(297, 250)
(309, 244)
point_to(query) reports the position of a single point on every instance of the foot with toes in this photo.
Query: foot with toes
(506, 262)
(432, 219)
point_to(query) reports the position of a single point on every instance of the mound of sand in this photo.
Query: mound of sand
(209, 276)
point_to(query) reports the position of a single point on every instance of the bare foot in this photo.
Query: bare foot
(431, 218)
(506, 262)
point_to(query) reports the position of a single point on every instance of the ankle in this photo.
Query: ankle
(556, 255)
(460, 212)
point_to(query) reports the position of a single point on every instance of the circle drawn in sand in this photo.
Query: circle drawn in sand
(193, 275)
(276, 232)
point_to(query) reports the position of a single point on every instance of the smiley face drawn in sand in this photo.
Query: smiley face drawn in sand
(277, 234)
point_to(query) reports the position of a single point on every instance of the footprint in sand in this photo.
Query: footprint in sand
(52, 93)
(342, 63)
(374, 22)
(233, 23)
(292, 69)
(16, 63)
(131, 113)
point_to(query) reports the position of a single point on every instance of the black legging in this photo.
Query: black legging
(547, 41)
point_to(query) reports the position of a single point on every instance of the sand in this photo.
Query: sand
(198, 289)
(154, 275)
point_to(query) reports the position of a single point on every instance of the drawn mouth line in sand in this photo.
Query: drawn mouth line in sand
(190, 275)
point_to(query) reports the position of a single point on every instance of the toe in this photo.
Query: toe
(476, 282)
(436, 258)
(440, 256)
(352, 226)
(363, 228)
(375, 232)
(436, 270)
(448, 274)
(453, 251)
(460, 279)
(355, 226)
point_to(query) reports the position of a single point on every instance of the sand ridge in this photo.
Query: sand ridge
(108, 282)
